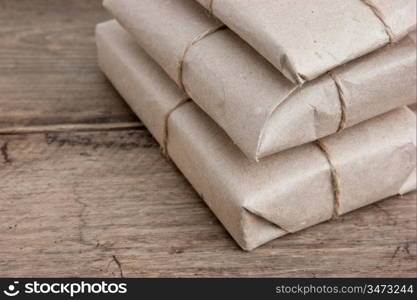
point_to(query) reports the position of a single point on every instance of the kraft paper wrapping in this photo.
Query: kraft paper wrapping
(305, 39)
(284, 193)
(261, 111)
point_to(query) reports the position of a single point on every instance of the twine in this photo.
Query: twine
(164, 147)
(210, 7)
(195, 40)
(199, 37)
(378, 13)
(342, 98)
(335, 179)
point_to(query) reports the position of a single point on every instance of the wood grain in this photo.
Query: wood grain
(73, 203)
(48, 65)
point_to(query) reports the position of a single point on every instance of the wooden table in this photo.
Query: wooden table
(84, 190)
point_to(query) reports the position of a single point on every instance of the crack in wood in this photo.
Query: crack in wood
(83, 223)
(5, 153)
(119, 265)
(405, 248)
(395, 253)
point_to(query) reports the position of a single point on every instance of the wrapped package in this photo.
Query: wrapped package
(284, 193)
(261, 111)
(305, 39)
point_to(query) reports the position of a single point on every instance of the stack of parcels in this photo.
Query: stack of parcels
(292, 115)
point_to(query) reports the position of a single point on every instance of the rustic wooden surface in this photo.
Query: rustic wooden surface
(84, 194)
(48, 69)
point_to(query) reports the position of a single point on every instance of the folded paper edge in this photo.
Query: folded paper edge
(252, 240)
(261, 136)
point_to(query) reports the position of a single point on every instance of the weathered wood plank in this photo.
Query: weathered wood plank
(48, 65)
(72, 203)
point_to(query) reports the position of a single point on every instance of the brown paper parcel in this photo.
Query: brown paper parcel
(261, 111)
(306, 38)
(284, 193)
